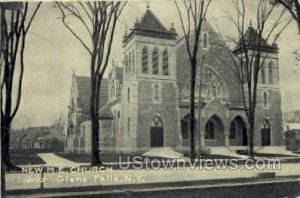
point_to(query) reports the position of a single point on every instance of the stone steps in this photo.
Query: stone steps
(228, 151)
(165, 152)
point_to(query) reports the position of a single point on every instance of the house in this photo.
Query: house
(148, 97)
(37, 139)
(292, 139)
(291, 120)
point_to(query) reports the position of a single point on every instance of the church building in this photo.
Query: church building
(145, 102)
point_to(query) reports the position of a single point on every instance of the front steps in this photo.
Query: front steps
(168, 152)
(165, 152)
(276, 150)
(231, 150)
(228, 151)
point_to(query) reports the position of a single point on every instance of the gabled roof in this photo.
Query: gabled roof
(149, 25)
(84, 92)
(150, 22)
(254, 41)
(32, 133)
(116, 73)
(50, 136)
(106, 112)
(83, 86)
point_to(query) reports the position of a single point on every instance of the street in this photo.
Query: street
(273, 189)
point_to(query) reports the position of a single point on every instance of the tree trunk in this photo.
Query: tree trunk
(251, 136)
(201, 135)
(95, 142)
(297, 5)
(2, 160)
(95, 127)
(192, 111)
(2, 179)
(5, 128)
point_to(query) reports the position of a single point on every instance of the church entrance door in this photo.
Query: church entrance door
(157, 133)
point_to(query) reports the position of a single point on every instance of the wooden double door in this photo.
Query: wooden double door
(157, 137)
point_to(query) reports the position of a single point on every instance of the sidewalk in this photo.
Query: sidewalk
(54, 160)
(127, 177)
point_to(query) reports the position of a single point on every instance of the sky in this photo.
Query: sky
(52, 54)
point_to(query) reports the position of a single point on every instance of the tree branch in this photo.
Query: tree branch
(71, 30)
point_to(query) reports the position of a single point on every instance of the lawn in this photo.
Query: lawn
(20, 158)
(76, 157)
(267, 155)
(105, 157)
(114, 157)
(214, 156)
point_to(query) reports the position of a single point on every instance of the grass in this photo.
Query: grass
(114, 157)
(212, 156)
(105, 157)
(75, 157)
(267, 155)
(19, 158)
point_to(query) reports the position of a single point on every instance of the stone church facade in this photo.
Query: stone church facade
(145, 103)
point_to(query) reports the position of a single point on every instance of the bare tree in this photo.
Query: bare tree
(192, 13)
(99, 22)
(254, 44)
(15, 24)
(293, 6)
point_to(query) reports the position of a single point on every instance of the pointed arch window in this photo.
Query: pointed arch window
(145, 60)
(271, 72)
(185, 129)
(128, 95)
(210, 130)
(155, 61)
(117, 121)
(157, 122)
(126, 64)
(266, 124)
(128, 125)
(156, 92)
(133, 63)
(233, 129)
(266, 133)
(265, 99)
(112, 90)
(129, 63)
(205, 40)
(165, 63)
(263, 75)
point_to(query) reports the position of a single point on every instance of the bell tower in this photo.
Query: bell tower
(268, 114)
(149, 94)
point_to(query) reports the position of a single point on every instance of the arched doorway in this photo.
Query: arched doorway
(214, 132)
(185, 129)
(266, 134)
(238, 132)
(157, 133)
